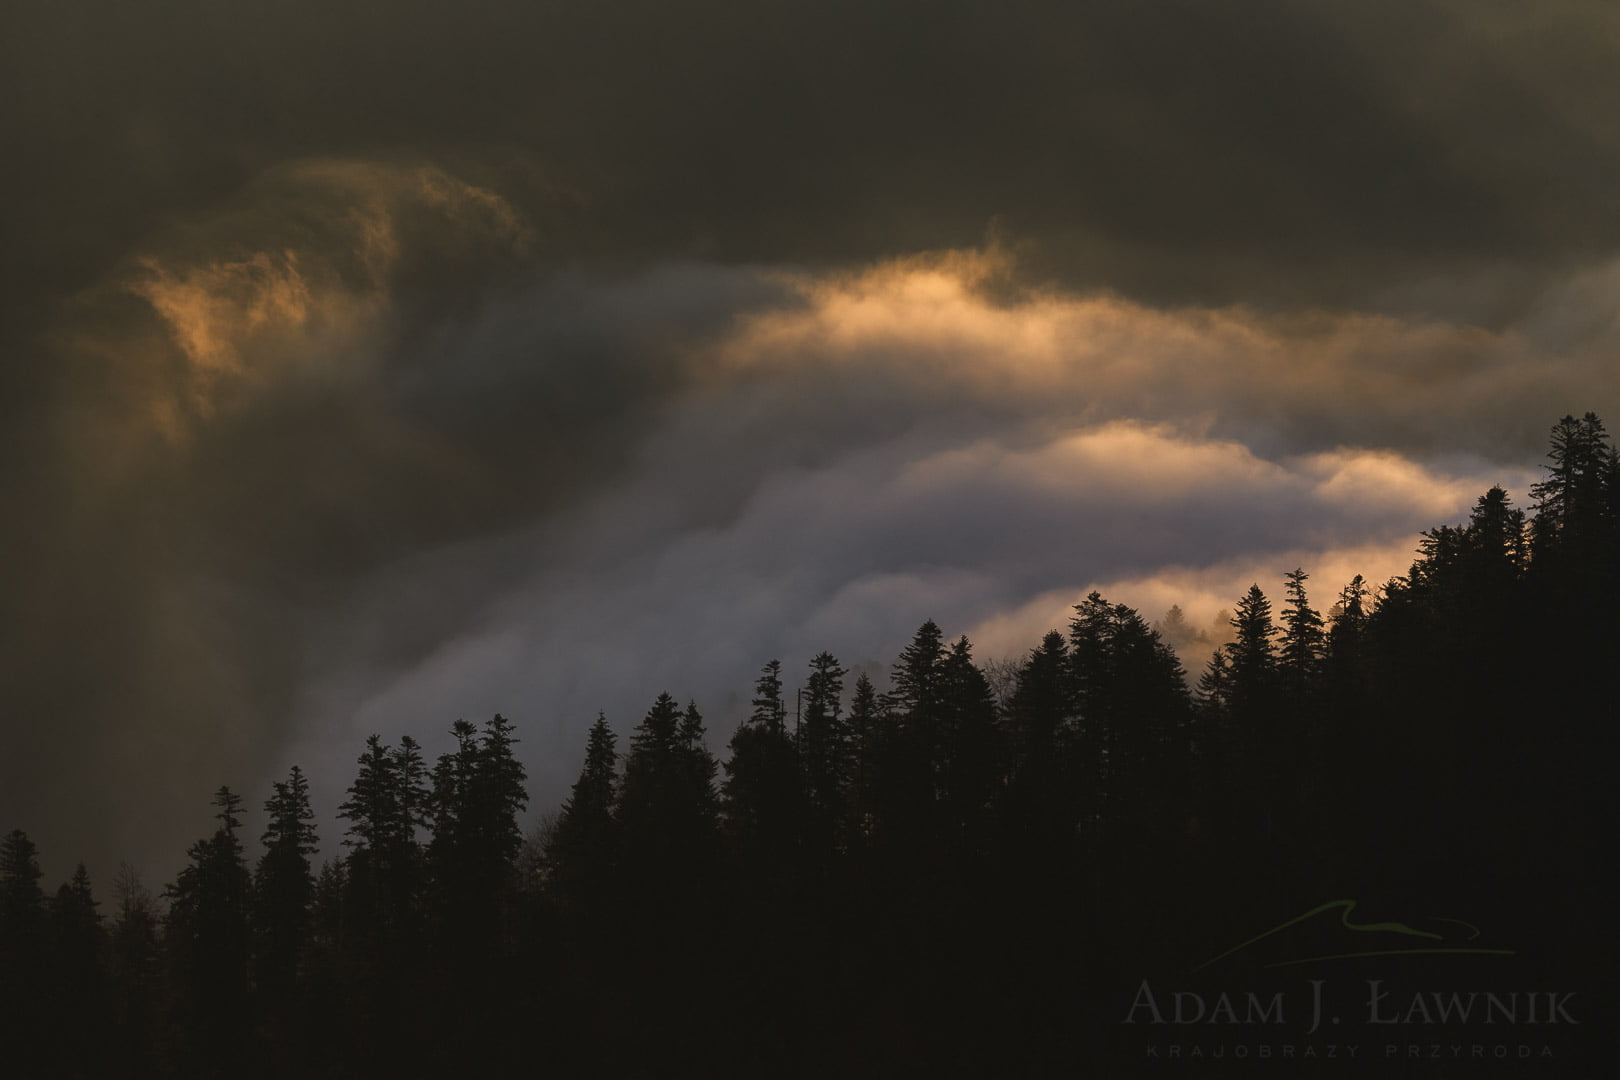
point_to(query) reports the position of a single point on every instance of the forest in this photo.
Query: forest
(921, 878)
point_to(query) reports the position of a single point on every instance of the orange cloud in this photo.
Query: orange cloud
(312, 252)
(1313, 378)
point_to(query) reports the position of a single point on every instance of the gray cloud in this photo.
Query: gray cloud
(1299, 150)
(895, 446)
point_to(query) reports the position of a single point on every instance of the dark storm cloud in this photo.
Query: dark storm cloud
(1312, 150)
(318, 319)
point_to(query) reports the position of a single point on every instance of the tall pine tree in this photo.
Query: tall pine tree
(207, 936)
(284, 884)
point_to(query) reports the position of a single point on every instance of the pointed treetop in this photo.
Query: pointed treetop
(229, 803)
(692, 727)
(916, 675)
(824, 689)
(20, 895)
(1303, 636)
(594, 790)
(769, 711)
(659, 730)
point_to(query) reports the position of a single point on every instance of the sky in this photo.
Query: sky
(367, 367)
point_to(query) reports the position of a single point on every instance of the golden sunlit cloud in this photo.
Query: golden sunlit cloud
(332, 238)
(214, 310)
(1320, 377)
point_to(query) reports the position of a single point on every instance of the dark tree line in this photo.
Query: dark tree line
(924, 878)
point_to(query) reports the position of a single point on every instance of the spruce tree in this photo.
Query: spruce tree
(972, 754)
(824, 745)
(22, 903)
(1041, 703)
(871, 729)
(667, 805)
(1497, 541)
(1041, 802)
(207, 934)
(478, 793)
(912, 773)
(24, 955)
(697, 769)
(496, 799)
(80, 1000)
(1130, 694)
(1575, 566)
(582, 849)
(1303, 637)
(1349, 616)
(413, 779)
(1092, 663)
(770, 713)
(1215, 684)
(284, 884)
(476, 798)
(763, 790)
(668, 868)
(915, 680)
(376, 809)
(1252, 655)
(1575, 503)
(1345, 660)
(383, 903)
(451, 803)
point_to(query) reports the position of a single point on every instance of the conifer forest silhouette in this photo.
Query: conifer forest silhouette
(942, 876)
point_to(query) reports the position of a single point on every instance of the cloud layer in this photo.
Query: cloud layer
(364, 374)
(1277, 150)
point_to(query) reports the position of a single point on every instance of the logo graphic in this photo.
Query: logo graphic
(1375, 939)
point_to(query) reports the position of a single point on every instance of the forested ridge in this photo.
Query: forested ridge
(921, 879)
